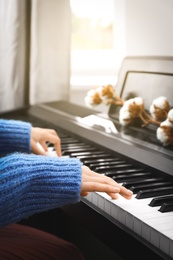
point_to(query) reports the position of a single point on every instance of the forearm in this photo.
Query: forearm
(31, 184)
(14, 136)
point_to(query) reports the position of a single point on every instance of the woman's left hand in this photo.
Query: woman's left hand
(41, 136)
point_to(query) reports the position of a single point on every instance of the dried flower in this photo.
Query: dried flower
(108, 91)
(93, 98)
(165, 132)
(133, 108)
(160, 108)
(170, 116)
(105, 94)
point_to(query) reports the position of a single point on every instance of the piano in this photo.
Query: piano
(133, 156)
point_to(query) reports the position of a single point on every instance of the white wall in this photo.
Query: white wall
(149, 27)
(144, 27)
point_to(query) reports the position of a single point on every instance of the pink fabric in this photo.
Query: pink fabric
(22, 242)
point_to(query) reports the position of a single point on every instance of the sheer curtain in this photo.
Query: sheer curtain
(34, 52)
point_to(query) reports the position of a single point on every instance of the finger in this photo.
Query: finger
(99, 178)
(58, 148)
(84, 194)
(55, 140)
(125, 192)
(36, 149)
(113, 195)
(100, 187)
(105, 179)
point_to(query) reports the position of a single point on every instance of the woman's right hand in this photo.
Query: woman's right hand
(93, 182)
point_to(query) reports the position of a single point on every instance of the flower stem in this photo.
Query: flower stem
(148, 119)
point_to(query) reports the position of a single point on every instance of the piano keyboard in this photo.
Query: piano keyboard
(132, 156)
(149, 214)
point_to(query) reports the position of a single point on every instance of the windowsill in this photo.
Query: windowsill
(87, 82)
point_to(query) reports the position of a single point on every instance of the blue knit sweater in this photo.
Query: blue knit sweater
(30, 183)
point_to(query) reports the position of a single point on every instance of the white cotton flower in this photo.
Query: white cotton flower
(130, 110)
(88, 101)
(159, 108)
(164, 132)
(161, 135)
(138, 101)
(160, 102)
(130, 102)
(126, 104)
(124, 116)
(89, 98)
(166, 123)
(99, 90)
(170, 116)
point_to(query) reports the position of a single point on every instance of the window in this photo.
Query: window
(95, 55)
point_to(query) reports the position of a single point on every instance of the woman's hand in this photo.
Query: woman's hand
(41, 136)
(92, 181)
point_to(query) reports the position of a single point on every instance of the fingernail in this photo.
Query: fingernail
(130, 192)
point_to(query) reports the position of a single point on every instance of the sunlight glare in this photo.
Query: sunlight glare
(94, 9)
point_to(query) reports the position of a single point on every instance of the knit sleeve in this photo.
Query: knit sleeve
(31, 184)
(14, 136)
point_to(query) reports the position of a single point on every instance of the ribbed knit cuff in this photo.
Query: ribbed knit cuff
(14, 136)
(31, 184)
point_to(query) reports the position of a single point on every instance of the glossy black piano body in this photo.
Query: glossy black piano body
(137, 149)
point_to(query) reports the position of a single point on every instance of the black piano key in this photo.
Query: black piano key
(112, 168)
(49, 144)
(78, 150)
(137, 188)
(129, 184)
(158, 201)
(90, 161)
(69, 140)
(166, 207)
(126, 177)
(124, 171)
(99, 160)
(116, 161)
(73, 146)
(89, 156)
(154, 192)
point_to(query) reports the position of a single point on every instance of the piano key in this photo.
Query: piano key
(89, 154)
(73, 146)
(69, 140)
(139, 217)
(116, 161)
(154, 192)
(78, 150)
(127, 173)
(158, 201)
(90, 161)
(92, 156)
(135, 176)
(102, 169)
(129, 184)
(166, 207)
(137, 188)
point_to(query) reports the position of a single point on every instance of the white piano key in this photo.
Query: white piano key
(52, 153)
(137, 215)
